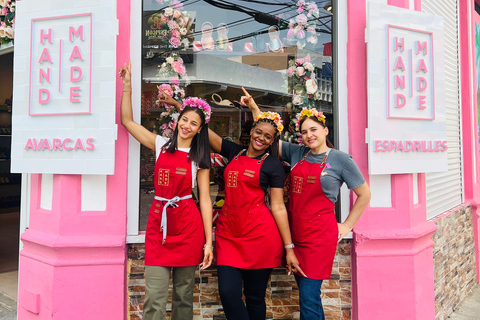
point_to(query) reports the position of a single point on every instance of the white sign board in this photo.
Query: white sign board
(64, 87)
(406, 91)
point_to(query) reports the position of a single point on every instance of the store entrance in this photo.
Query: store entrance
(10, 188)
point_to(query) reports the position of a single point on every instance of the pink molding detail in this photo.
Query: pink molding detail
(470, 117)
(60, 65)
(398, 3)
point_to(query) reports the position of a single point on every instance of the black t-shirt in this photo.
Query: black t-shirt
(271, 172)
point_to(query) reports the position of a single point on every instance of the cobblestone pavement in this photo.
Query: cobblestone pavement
(8, 307)
(468, 309)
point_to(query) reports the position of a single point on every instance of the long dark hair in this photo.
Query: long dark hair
(273, 148)
(329, 144)
(199, 148)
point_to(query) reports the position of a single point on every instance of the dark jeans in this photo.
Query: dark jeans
(310, 301)
(254, 286)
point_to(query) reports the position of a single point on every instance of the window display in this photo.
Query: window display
(281, 52)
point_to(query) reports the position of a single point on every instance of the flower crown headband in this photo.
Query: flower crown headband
(195, 102)
(307, 113)
(273, 116)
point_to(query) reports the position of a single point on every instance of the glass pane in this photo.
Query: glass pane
(280, 51)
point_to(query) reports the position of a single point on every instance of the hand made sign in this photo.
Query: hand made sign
(61, 65)
(63, 115)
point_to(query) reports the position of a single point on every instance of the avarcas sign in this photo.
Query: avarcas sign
(64, 93)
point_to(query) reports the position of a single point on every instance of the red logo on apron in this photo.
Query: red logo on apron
(297, 184)
(232, 179)
(163, 177)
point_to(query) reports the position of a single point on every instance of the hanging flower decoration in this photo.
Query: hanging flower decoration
(168, 118)
(7, 21)
(302, 28)
(304, 84)
(171, 27)
(173, 68)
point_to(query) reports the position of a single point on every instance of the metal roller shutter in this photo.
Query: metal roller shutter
(444, 190)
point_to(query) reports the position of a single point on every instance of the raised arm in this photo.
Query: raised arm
(140, 133)
(248, 101)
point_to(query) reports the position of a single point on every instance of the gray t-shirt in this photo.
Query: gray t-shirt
(339, 168)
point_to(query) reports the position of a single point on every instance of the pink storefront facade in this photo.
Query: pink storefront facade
(80, 260)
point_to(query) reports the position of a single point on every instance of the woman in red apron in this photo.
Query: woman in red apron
(178, 236)
(249, 235)
(318, 171)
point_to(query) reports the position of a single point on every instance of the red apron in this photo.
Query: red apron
(175, 235)
(246, 236)
(312, 220)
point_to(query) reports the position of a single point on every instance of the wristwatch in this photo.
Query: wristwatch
(290, 246)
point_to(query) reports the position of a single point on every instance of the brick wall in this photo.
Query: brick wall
(282, 292)
(454, 257)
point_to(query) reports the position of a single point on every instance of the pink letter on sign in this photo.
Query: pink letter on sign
(399, 44)
(422, 66)
(90, 144)
(422, 84)
(400, 100)
(74, 95)
(41, 94)
(399, 64)
(421, 47)
(57, 144)
(44, 76)
(48, 36)
(79, 74)
(399, 82)
(45, 56)
(29, 145)
(76, 54)
(421, 102)
(74, 33)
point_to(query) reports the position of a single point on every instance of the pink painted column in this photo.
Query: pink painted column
(468, 18)
(72, 265)
(392, 256)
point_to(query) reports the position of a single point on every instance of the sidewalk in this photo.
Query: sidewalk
(468, 309)
(8, 307)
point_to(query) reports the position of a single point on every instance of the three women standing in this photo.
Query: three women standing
(318, 171)
(249, 235)
(176, 230)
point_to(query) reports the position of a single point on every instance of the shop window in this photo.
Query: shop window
(211, 49)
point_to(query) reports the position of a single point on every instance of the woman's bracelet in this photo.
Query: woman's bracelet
(207, 245)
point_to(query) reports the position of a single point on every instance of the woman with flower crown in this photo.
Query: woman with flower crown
(318, 172)
(178, 236)
(248, 238)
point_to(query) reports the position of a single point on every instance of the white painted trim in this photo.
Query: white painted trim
(415, 187)
(25, 205)
(136, 239)
(133, 177)
(46, 191)
(340, 42)
(93, 192)
(381, 189)
(411, 4)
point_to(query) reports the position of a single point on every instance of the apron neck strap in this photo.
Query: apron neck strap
(243, 150)
(324, 159)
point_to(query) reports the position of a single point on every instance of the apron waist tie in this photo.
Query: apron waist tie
(170, 203)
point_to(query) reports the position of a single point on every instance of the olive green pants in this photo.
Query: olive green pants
(157, 280)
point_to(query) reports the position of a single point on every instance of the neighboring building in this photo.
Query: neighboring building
(397, 80)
